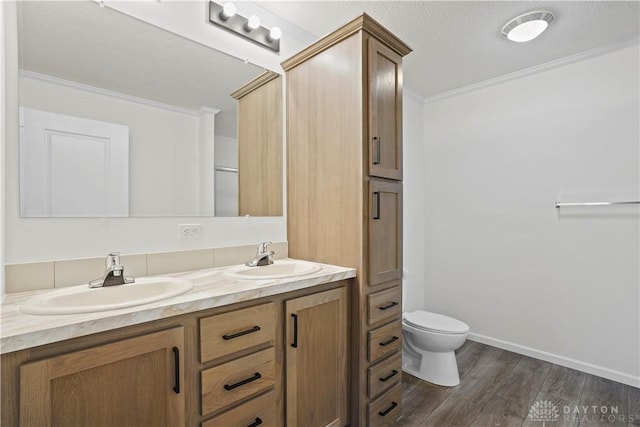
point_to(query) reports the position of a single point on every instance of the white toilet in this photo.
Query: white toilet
(429, 345)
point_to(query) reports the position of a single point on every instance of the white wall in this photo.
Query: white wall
(413, 201)
(558, 284)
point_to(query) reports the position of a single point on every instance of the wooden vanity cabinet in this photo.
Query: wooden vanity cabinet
(344, 189)
(195, 369)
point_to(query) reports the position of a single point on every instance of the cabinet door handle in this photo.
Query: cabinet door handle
(239, 334)
(255, 376)
(389, 305)
(388, 377)
(176, 370)
(376, 205)
(377, 142)
(389, 409)
(386, 343)
(294, 344)
(256, 423)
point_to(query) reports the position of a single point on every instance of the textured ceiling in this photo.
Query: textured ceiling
(458, 43)
(81, 42)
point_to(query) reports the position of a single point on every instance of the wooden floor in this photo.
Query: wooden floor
(498, 388)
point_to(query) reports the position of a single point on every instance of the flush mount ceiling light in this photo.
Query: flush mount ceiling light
(250, 28)
(528, 26)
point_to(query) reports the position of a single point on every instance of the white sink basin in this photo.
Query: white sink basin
(82, 299)
(280, 269)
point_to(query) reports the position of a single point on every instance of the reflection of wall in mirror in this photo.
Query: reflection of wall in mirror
(164, 145)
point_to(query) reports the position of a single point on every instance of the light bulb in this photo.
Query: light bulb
(252, 23)
(275, 33)
(228, 10)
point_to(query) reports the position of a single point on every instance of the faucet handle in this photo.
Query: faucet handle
(262, 247)
(113, 259)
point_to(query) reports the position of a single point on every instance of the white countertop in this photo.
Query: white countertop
(19, 331)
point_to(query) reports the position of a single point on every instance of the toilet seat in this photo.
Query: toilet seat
(433, 322)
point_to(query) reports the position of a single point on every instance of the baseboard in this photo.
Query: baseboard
(578, 365)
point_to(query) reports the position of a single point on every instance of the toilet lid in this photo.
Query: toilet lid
(435, 322)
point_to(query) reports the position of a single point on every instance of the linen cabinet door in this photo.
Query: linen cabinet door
(385, 111)
(385, 231)
(316, 352)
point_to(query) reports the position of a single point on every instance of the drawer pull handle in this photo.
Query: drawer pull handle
(377, 142)
(256, 423)
(388, 377)
(386, 343)
(239, 334)
(294, 344)
(255, 376)
(388, 306)
(176, 370)
(389, 409)
(376, 205)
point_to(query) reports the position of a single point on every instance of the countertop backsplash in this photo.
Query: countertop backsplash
(34, 276)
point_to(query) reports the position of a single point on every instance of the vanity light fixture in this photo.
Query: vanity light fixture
(528, 26)
(225, 16)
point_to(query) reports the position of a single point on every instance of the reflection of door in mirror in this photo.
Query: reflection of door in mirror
(260, 146)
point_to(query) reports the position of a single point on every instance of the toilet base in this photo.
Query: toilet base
(436, 368)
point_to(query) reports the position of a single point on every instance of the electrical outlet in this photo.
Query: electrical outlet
(190, 231)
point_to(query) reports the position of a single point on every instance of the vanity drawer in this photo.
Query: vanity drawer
(259, 411)
(385, 374)
(231, 382)
(385, 340)
(386, 409)
(385, 305)
(237, 330)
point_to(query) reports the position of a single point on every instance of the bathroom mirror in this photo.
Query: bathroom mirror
(90, 75)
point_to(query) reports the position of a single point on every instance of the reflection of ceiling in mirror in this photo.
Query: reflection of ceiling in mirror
(84, 43)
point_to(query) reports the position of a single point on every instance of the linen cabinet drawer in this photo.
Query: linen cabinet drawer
(260, 411)
(237, 330)
(231, 382)
(385, 340)
(385, 305)
(385, 374)
(386, 409)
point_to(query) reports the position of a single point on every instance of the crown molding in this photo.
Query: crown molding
(536, 69)
(113, 94)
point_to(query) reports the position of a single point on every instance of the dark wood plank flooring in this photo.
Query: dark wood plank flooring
(499, 388)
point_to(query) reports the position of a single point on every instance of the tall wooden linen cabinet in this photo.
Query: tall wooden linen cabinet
(344, 182)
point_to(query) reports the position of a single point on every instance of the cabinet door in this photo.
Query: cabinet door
(133, 382)
(385, 231)
(316, 352)
(385, 111)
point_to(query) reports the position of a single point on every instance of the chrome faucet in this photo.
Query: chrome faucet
(263, 256)
(114, 273)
